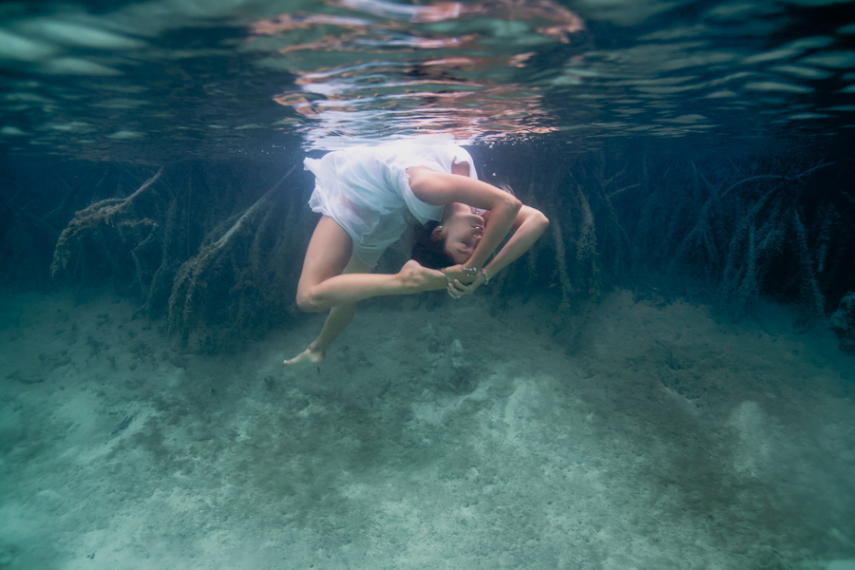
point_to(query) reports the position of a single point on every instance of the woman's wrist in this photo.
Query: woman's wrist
(471, 271)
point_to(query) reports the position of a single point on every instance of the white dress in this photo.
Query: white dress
(366, 189)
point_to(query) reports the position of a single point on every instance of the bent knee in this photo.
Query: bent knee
(308, 302)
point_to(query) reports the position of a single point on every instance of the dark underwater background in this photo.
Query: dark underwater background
(664, 381)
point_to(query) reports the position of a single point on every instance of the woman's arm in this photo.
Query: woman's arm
(530, 224)
(440, 188)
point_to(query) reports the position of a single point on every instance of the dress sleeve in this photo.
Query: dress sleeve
(422, 211)
(439, 157)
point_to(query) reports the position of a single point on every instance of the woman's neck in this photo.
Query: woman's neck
(453, 208)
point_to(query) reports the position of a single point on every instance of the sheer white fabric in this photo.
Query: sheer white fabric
(366, 189)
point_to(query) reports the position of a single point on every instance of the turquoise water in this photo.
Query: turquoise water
(664, 380)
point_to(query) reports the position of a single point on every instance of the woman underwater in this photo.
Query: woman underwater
(367, 194)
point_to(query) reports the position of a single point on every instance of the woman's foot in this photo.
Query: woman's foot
(305, 359)
(416, 278)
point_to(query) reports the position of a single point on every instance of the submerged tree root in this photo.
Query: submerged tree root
(226, 276)
(771, 230)
(843, 323)
(108, 225)
(762, 233)
(236, 278)
(591, 245)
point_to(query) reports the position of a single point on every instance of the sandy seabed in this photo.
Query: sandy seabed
(658, 437)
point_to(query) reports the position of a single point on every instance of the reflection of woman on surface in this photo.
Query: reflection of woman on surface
(367, 194)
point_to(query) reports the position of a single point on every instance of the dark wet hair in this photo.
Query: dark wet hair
(428, 251)
(431, 252)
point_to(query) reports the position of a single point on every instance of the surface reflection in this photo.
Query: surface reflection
(145, 80)
(417, 77)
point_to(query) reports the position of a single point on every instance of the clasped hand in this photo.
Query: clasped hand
(416, 278)
(459, 283)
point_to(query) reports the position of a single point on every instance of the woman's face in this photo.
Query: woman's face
(461, 234)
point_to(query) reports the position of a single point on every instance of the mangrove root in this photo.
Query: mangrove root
(843, 323)
(229, 275)
(101, 227)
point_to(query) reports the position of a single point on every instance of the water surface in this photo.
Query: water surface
(151, 80)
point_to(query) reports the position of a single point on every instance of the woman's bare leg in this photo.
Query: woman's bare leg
(333, 278)
(329, 254)
(325, 284)
(338, 319)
